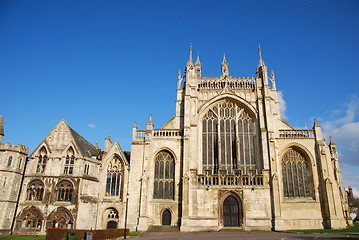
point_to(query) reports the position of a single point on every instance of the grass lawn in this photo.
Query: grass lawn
(23, 238)
(354, 228)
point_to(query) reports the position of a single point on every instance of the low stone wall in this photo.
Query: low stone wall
(61, 233)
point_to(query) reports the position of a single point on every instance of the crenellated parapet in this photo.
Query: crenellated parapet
(14, 148)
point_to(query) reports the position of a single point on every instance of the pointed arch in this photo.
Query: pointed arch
(166, 217)
(65, 191)
(70, 161)
(30, 218)
(42, 160)
(114, 176)
(231, 210)
(229, 137)
(111, 217)
(164, 174)
(35, 190)
(297, 174)
(61, 217)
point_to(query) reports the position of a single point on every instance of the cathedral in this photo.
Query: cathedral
(226, 159)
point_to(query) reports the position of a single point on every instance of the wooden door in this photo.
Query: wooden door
(231, 212)
(166, 218)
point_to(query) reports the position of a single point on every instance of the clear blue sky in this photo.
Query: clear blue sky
(101, 65)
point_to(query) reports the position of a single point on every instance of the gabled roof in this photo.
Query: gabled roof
(54, 142)
(86, 148)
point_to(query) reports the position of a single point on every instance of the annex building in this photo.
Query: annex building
(225, 159)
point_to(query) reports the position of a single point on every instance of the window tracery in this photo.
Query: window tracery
(64, 191)
(164, 176)
(114, 177)
(228, 139)
(41, 163)
(35, 191)
(296, 175)
(70, 160)
(30, 218)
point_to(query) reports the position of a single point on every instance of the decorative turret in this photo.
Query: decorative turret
(262, 70)
(198, 67)
(317, 130)
(190, 66)
(2, 134)
(108, 143)
(333, 149)
(149, 125)
(225, 71)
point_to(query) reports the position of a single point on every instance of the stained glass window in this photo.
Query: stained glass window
(295, 175)
(114, 177)
(164, 176)
(228, 138)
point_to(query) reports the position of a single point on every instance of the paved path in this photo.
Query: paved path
(243, 235)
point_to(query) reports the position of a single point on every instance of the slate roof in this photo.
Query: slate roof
(86, 148)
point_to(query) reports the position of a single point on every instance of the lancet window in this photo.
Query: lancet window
(9, 161)
(164, 176)
(70, 160)
(296, 175)
(114, 177)
(228, 139)
(41, 162)
(35, 190)
(64, 191)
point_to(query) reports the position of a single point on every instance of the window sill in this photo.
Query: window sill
(299, 200)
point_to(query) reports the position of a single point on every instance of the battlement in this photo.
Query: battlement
(15, 148)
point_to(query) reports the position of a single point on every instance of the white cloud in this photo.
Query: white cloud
(282, 105)
(91, 125)
(344, 129)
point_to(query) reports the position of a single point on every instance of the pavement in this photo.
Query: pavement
(243, 235)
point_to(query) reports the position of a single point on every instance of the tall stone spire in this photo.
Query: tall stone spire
(190, 65)
(225, 70)
(2, 133)
(190, 60)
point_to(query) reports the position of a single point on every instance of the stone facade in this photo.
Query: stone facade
(226, 159)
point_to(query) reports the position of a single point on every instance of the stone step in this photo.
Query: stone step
(162, 229)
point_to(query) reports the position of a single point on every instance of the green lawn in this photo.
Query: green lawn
(354, 228)
(23, 238)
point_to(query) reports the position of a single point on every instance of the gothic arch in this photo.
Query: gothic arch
(300, 148)
(166, 216)
(202, 110)
(111, 218)
(61, 217)
(229, 137)
(65, 190)
(164, 175)
(237, 215)
(35, 190)
(296, 170)
(30, 218)
(114, 170)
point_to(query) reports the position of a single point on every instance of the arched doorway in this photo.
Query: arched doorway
(166, 218)
(231, 212)
(111, 225)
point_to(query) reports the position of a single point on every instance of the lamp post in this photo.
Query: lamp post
(128, 180)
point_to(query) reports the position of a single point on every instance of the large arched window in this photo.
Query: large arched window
(164, 176)
(41, 162)
(30, 218)
(64, 191)
(70, 160)
(228, 139)
(296, 174)
(114, 177)
(35, 190)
